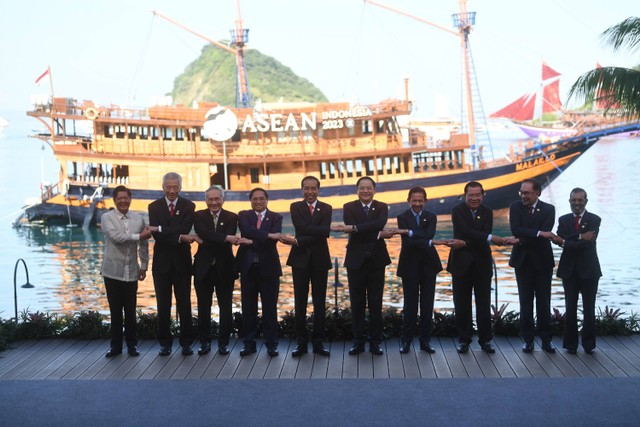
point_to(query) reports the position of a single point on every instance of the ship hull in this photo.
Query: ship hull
(444, 191)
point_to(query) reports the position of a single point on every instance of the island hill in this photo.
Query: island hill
(212, 78)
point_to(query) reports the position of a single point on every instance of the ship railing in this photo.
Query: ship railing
(47, 191)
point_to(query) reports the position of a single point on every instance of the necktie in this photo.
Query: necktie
(171, 210)
(311, 209)
(366, 210)
(259, 223)
(531, 213)
(474, 214)
(418, 219)
(215, 218)
(577, 223)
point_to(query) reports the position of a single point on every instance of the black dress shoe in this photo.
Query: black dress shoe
(247, 350)
(589, 350)
(223, 349)
(299, 350)
(165, 350)
(404, 347)
(375, 348)
(425, 346)
(572, 351)
(187, 350)
(272, 351)
(133, 351)
(487, 347)
(527, 347)
(112, 353)
(548, 347)
(321, 350)
(462, 347)
(356, 348)
(205, 348)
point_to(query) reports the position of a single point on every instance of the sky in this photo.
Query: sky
(117, 52)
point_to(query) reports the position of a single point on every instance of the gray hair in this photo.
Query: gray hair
(215, 187)
(172, 175)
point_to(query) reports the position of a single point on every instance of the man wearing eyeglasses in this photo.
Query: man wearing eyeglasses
(531, 222)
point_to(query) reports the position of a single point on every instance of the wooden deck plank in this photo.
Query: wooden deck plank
(229, 361)
(36, 362)
(89, 360)
(440, 364)
(454, 360)
(276, 365)
(485, 364)
(66, 353)
(409, 362)
(305, 366)
(510, 354)
(395, 364)
(147, 357)
(288, 366)
(349, 363)
(246, 363)
(528, 359)
(18, 354)
(339, 350)
(320, 366)
(380, 364)
(186, 366)
(129, 362)
(262, 362)
(501, 365)
(158, 363)
(75, 360)
(365, 364)
(616, 349)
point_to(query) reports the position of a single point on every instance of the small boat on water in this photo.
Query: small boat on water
(99, 147)
(3, 123)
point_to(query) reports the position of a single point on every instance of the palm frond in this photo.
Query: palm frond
(616, 87)
(626, 34)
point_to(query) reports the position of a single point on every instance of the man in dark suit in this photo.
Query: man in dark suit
(170, 220)
(471, 266)
(579, 269)
(259, 265)
(531, 222)
(418, 266)
(213, 268)
(366, 260)
(310, 262)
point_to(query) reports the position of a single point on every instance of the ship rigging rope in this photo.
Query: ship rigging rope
(135, 80)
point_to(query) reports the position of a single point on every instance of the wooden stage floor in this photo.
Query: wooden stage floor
(57, 359)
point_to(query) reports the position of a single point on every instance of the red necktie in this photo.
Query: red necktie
(171, 210)
(311, 209)
(259, 223)
(577, 223)
(531, 213)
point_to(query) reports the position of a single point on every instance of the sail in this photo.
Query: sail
(520, 109)
(550, 90)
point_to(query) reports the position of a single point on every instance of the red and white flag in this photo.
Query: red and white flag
(42, 76)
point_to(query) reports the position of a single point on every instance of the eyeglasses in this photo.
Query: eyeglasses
(526, 193)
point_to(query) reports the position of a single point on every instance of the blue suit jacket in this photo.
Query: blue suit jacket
(578, 256)
(416, 255)
(263, 248)
(537, 249)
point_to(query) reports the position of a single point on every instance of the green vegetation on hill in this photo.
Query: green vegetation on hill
(212, 78)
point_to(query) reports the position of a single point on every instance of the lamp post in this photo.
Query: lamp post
(336, 283)
(15, 289)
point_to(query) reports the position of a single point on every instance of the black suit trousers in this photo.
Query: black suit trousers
(252, 285)
(366, 285)
(534, 283)
(418, 291)
(588, 288)
(318, 279)
(464, 287)
(122, 296)
(180, 283)
(223, 287)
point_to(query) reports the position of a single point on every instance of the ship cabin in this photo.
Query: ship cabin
(273, 146)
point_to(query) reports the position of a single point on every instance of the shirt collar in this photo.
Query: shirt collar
(175, 202)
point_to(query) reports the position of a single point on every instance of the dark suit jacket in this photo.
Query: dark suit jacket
(475, 233)
(168, 250)
(311, 233)
(364, 244)
(536, 248)
(213, 245)
(416, 255)
(578, 256)
(264, 248)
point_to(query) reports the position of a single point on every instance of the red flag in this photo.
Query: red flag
(42, 76)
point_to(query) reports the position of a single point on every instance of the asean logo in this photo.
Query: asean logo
(221, 124)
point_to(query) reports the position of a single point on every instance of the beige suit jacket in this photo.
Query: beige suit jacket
(123, 249)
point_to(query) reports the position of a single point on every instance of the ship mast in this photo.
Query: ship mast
(463, 21)
(239, 38)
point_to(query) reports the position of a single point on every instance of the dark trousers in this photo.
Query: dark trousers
(223, 286)
(464, 287)
(418, 291)
(180, 283)
(318, 278)
(122, 297)
(534, 283)
(366, 285)
(252, 285)
(588, 288)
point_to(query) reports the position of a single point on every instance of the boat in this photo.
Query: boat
(533, 105)
(273, 146)
(3, 123)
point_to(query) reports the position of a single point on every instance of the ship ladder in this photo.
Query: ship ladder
(88, 217)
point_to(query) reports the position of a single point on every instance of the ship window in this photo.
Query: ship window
(366, 126)
(358, 164)
(349, 168)
(323, 170)
(369, 167)
(332, 170)
(255, 175)
(387, 164)
(121, 174)
(405, 160)
(154, 133)
(180, 134)
(396, 164)
(108, 131)
(379, 126)
(379, 164)
(167, 133)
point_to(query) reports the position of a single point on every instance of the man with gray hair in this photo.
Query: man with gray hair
(170, 221)
(213, 268)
